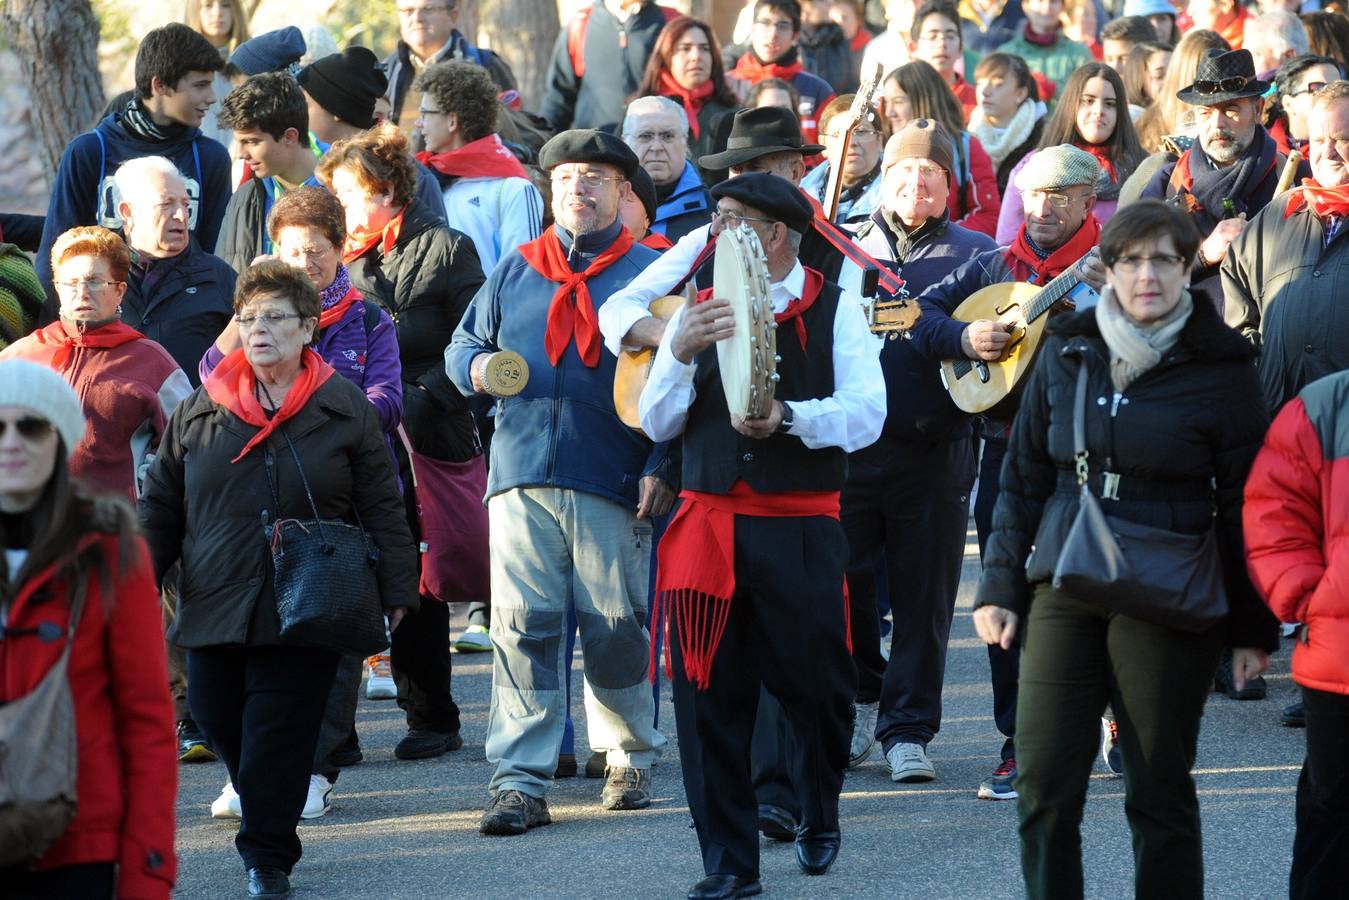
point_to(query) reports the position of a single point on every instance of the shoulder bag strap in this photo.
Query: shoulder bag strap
(309, 495)
(1080, 424)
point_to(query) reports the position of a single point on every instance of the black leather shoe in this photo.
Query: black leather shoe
(724, 887)
(775, 823)
(268, 881)
(816, 851)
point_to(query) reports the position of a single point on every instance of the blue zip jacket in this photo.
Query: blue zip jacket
(83, 193)
(562, 429)
(687, 207)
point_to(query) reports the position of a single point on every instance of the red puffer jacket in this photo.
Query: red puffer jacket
(123, 716)
(1297, 528)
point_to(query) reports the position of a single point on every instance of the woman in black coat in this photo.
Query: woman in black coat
(400, 256)
(1174, 409)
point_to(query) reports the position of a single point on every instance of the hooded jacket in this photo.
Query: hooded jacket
(687, 207)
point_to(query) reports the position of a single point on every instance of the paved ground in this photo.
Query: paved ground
(408, 830)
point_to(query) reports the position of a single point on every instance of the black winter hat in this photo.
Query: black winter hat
(774, 196)
(645, 189)
(346, 84)
(585, 145)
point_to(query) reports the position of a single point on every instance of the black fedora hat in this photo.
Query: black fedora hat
(759, 132)
(1223, 75)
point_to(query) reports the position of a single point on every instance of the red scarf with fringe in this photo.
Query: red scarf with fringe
(114, 334)
(484, 158)
(748, 68)
(1025, 262)
(232, 385)
(572, 312)
(360, 241)
(693, 100)
(1324, 201)
(333, 314)
(695, 573)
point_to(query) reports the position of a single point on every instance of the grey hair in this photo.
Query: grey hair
(131, 175)
(794, 240)
(1280, 30)
(652, 105)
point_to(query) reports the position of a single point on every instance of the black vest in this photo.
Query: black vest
(716, 455)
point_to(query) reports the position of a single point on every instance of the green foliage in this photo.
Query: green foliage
(114, 23)
(369, 23)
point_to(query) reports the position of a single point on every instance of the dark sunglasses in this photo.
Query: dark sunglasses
(1311, 88)
(1226, 86)
(32, 428)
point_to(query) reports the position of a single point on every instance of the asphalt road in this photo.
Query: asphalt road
(409, 829)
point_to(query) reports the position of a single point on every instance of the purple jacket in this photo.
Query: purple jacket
(369, 361)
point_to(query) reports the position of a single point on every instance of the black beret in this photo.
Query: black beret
(774, 196)
(645, 189)
(585, 145)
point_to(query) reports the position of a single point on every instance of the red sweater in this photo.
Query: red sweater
(123, 717)
(977, 204)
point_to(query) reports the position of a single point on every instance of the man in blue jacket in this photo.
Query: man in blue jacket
(571, 492)
(175, 70)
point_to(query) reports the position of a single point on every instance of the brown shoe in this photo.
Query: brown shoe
(626, 788)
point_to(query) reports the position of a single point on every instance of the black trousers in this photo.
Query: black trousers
(1004, 666)
(910, 499)
(261, 708)
(420, 657)
(89, 881)
(786, 634)
(1321, 847)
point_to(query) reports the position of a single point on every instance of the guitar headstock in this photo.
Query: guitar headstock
(893, 317)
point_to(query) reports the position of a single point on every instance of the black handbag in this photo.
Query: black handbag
(1160, 576)
(324, 573)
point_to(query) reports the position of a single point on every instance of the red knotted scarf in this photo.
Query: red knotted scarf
(1324, 201)
(572, 312)
(1025, 262)
(796, 307)
(360, 241)
(658, 242)
(333, 314)
(484, 158)
(232, 385)
(695, 573)
(114, 334)
(693, 100)
(1102, 154)
(748, 68)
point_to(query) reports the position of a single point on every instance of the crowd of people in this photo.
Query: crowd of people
(200, 521)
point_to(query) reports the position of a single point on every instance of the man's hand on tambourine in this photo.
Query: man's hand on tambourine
(701, 326)
(759, 428)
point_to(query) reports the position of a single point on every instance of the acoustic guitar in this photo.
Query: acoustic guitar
(634, 366)
(977, 385)
(862, 103)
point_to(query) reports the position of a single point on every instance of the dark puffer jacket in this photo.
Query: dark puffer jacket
(1197, 416)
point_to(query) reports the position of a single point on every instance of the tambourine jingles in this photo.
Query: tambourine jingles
(505, 373)
(747, 359)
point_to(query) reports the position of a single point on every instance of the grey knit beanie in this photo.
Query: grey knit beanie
(42, 390)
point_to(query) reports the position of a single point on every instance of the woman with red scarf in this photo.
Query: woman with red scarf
(233, 460)
(1092, 115)
(128, 384)
(685, 65)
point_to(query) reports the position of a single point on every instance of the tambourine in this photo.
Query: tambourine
(505, 373)
(747, 359)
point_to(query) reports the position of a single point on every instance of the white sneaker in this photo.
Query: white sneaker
(320, 798)
(909, 763)
(475, 639)
(863, 733)
(380, 685)
(227, 806)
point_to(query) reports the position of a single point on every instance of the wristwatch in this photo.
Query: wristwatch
(785, 426)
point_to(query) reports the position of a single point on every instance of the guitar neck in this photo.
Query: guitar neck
(1053, 292)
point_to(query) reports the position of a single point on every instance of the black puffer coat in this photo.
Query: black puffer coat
(1196, 418)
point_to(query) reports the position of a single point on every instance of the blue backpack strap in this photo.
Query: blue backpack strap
(102, 165)
(966, 174)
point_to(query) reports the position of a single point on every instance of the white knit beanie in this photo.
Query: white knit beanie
(36, 387)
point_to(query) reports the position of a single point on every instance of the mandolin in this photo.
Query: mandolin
(977, 385)
(634, 366)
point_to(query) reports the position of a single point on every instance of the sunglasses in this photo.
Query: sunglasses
(1311, 88)
(1226, 86)
(32, 428)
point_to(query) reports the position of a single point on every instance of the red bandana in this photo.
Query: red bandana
(692, 99)
(658, 242)
(333, 314)
(572, 313)
(360, 241)
(1025, 262)
(750, 69)
(114, 334)
(1324, 201)
(695, 573)
(232, 385)
(484, 158)
(1102, 154)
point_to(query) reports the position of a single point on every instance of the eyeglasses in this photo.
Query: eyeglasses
(665, 137)
(784, 27)
(30, 428)
(592, 180)
(94, 285)
(734, 219)
(430, 112)
(430, 9)
(271, 318)
(1162, 263)
(1227, 85)
(302, 253)
(1058, 201)
(908, 168)
(1311, 88)
(857, 133)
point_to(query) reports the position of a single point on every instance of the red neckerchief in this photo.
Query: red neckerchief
(695, 572)
(748, 68)
(233, 383)
(572, 312)
(360, 241)
(860, 40)
(1102, 154)
(333, 314)
(693, 100)
(484, 158)
(1278, 129)
(1025, 262)
(1324, 201)
(658, 242)
(1039, 40)
(796, 307)
(114, 334)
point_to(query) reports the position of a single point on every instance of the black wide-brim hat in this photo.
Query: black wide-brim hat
(1223, 75)
(759, 132)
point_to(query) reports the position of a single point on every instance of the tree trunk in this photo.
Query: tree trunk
(56, 42)
(523, 32)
